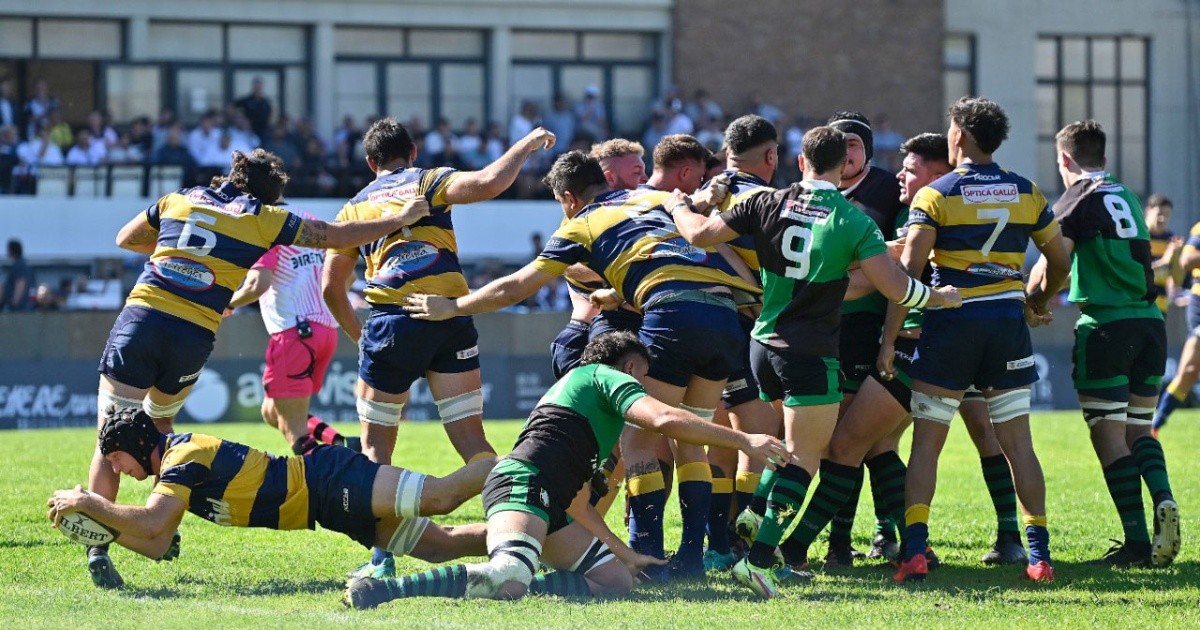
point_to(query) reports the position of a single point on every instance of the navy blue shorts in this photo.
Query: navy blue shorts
(396, 350)
(1193, 314)
(983, 344)
(742, 386)
(693, 338)
(147, 348)
(567, 347)
(615, 320)
(340, 482)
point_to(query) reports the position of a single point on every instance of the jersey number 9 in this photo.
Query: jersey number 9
(797, 247)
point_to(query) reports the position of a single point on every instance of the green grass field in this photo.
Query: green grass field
(242, 578)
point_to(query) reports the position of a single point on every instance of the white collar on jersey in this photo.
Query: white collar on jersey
(1101, 174)
(817, 184)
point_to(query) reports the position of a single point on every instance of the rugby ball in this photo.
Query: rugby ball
(83, 529)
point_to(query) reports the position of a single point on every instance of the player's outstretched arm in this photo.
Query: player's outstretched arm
(146, 530)
(586, 515)
(653, 415)
(699, 230)
(138, 235)
(336, 277)
(340, 235)
(495, 178)
(905, 290)
(494, 296)
(257, 281)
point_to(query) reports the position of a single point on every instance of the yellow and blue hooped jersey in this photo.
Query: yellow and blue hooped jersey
(984, 217)
(1192, 244)
(208, 238)
(421, 258)
(742, 186)
(629, 238)
(232, 484)
(1158, 247)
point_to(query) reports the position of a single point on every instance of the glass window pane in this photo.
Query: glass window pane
(267, 43)
(1133, 58)
(445, 43)
(1047, 110)
(1074, 105)
(409, 92)
(1074, 58)
(16, 38)
(184, 41)
(462, 93)
(633, 89)
(543, 45)
(83, 39)
(1104, 106)
(956, 52)
(356, 94)
(375, 42)
(530, 83)
(133, 91)
(575, 79)
(1048, 178)
(295, 81)
(618, 46)
(1104, 59)
(1132, 167)
(1133, 112)
(955, 85)
(198, 90)
(1047, 58)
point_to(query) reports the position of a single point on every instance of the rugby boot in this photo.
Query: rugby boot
(761, 581)
(1165, 544)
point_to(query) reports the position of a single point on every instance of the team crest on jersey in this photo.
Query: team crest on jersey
(678, 247)
(183, 273)
(991, 193)
(407, 258)
(994, 270)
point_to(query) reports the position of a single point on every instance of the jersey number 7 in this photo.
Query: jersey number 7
(1001, 216)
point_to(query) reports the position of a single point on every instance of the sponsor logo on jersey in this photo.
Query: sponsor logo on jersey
(991, 193)
(678, 247)
(201, 198)
(1110, 188)
(184, 273)
(408, 258)
(469, 353)
(398, 191)
(307, 259)
(984, 177)
(802, 210)
(995, 270)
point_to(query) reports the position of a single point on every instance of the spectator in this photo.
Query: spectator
(279, 144)
(205, 138)
(45, 299)
(703, 108)
(18, 281)
(553, 296)
(560, 120)
(766, 110)
(712, 135)
(524, 122)
(677, 121)
(217, 156)
(655, 132)
(8, 110)
(8, 158)
(257, 108)
(60, 132)
(101, 131)
(591, 115)
(33, 154)
(87, 151)
(173, 152)
(38, 108)
(493, 144)
(242, 136)
(140, 136)
(471, 139)
(440, 144)
(535, 244)
(315, 178)
(348, 133)
(166, 121)
(125, 151)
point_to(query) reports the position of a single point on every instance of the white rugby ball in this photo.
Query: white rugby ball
(83, 529)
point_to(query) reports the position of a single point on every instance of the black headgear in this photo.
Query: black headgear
(858, 128)
(130, 430)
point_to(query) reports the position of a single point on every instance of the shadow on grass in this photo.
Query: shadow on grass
(312, 586)
(984, 582)
(29, 544)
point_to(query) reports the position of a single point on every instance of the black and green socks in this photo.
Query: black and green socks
(842, 524)
(447, 581)
(758, 502)
(1152, 464)
(783, 504)
(563, 583)
(833, 490)
(888, 474)
(998, 477)
(1125, 487)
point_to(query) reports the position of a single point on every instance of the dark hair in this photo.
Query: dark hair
(574, 172)
(129, 430)
(824, 148)
(259, 175)
(929, 146)
(714, 160)
(982, 119)
(1084, 141)
(612, 347)
(1159, 200)
(749, 132)
(858, 124)
(15, 248)
(387, 140)
(677, 148)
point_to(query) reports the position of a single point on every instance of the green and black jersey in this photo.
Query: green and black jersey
(1111, 275)
(575, 426)
(807, 236)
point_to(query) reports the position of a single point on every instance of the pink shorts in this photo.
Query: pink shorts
(296, 367)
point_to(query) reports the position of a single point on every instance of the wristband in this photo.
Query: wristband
(916, 296)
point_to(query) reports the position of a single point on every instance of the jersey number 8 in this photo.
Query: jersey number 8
(797, 247)
(1122, 216)
(192, 230)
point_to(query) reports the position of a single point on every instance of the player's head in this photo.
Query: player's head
(575, 178)
(127, 440)
(618, 349)
(823, 153)
(925, 159)
(752, 143)
(1079, 147)
(1158, 213)
(386, 142)
(714, 165)
(975, 122)
(860, 142)
(259, 175)
(679, 162)
(622, 163)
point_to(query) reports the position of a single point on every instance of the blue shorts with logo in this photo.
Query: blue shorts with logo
(985, 344)
(339, 483)
(148, 348)
(567, 347)
(742, 386)
(395, 350)
(692, 334)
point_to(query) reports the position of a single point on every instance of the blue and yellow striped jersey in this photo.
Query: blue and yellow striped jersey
(232, 484)
(984, 217)
(1192, 244)
(421, 258)
(742, 186)
(208, 238)
(629, 238)
(1158, 247)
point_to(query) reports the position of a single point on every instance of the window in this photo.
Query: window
(16, 38)
(958, 67)
(132, 91)
(1100, 77)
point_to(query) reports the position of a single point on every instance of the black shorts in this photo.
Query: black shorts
(148, 348)
(858, 347)
(567, 347)
(1112, 360)
(741, 388)
(340, 482)
(800, 380)
(518, 486)
(900, 386)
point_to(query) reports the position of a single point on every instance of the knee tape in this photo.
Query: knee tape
(597, 554)
(1097, 411)
(940, 409)
(1139, 416)
(408, 532)
(456, 408)
(408, 494)
(513, 557)
(705, 414)
(1009, 405)
(384, 414)
(106, 399)
(155, 410)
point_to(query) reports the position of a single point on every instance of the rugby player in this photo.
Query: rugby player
(395, 349)
(1120, 339)
(536, 511)
(1176, 392)
(235, 485)
(975, 224)
(807, 237)
(201, 242)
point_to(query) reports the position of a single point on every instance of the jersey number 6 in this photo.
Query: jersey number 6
(797, 247)
(192, 229)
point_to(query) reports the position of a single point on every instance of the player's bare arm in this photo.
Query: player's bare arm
(336, 277)
(257, 282)
(138, 235)
(698, 229)
(653, 415)
(494, 296)
(155, 522)
(906, 290)
(321, 234)
(1056, 273)
(488, 182)
(582, 511)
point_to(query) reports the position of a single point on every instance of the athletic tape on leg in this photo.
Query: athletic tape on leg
(512, 557)
(596, 555)
(408, 532)
(408, 494)
(155, 410)
(940, 409)
(104, 399)
(1100, 410)
(705, 414)
(1009, 405)
(1140, 416)
(384, 414)
(456, 408)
